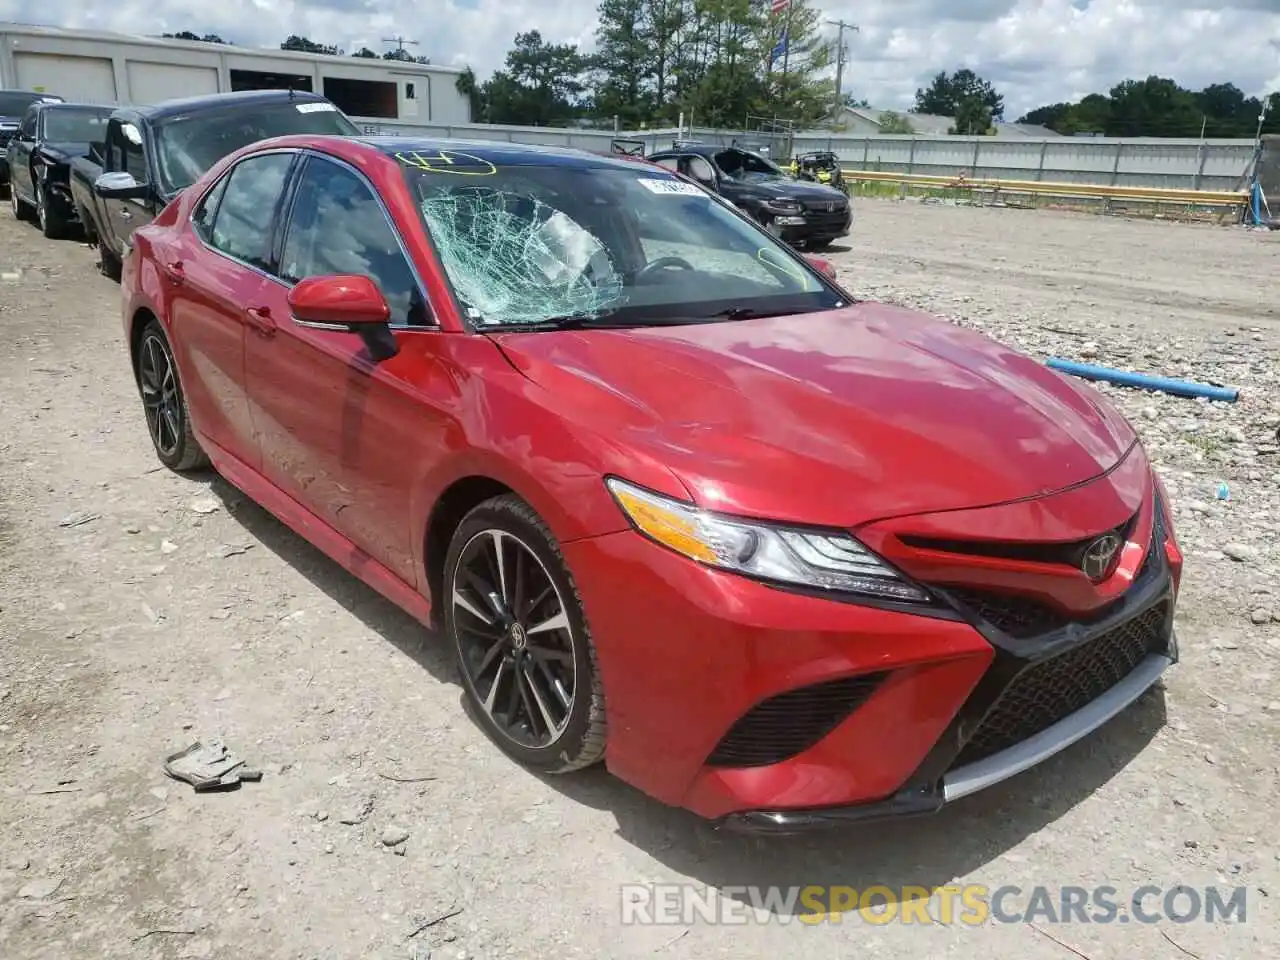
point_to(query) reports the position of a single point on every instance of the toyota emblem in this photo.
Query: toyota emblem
(1096, 561)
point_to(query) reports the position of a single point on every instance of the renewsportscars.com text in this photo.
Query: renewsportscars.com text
(969, 904)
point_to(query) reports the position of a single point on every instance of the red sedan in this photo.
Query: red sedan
(681, 503)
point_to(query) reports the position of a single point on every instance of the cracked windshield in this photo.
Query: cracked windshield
(537, 245)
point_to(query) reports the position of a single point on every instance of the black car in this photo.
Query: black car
(804, 214)
(151, 154)
(13, 107)
(39, 155)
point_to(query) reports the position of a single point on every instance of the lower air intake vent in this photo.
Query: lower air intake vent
(1053, 689)
(781, 727)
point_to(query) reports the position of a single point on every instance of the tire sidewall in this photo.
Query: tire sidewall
(153, 330)
(492, 516)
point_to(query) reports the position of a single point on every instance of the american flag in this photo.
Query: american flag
(780, 5)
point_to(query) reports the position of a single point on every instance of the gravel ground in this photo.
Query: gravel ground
(142, 610)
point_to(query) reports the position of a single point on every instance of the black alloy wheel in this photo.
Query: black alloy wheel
(523, 648)
(163, 403)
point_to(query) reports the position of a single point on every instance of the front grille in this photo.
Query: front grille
(1051, 690)
(5, 137)
(781, 727)
(1063, 554)
(1020, 617)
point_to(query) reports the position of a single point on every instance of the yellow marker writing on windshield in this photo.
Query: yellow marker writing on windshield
(448, 161)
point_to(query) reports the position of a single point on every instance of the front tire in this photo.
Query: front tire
(52, 224)
(524, 649)
(21, 209)
(164, 404)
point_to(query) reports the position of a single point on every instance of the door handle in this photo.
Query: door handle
(174, 271)
(260, 319)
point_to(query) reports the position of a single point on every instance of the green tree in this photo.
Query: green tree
(946, 94)
(895, 123)
(620, 67)
(542, 83)
(972, 119)
(304, 45)
(199, 38)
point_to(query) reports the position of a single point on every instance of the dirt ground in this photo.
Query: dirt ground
(140, 610)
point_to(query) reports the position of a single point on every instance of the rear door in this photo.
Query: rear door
(341, 434)
(215, 270)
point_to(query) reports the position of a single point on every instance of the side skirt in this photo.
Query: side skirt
(316, 532)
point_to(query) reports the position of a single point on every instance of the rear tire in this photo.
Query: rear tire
(110, 265)
(164, 404)
(521, 638)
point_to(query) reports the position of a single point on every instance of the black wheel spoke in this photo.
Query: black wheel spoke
(515, 638)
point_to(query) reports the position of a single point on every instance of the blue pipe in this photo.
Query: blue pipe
(1179, 388)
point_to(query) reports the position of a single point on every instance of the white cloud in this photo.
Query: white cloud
(1035, 51)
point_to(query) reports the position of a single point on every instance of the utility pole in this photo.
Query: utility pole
(840, 58)
(400, 42)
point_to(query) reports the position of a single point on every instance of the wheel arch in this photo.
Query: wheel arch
(138, 321)
(454, 503)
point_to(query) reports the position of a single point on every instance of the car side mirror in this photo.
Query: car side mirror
(350, 304)
(822, 265)
(120, 186)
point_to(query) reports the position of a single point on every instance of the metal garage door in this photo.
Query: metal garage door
(83, 79)
(153, 82)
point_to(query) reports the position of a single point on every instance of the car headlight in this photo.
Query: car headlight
(783, 205)
(817, 559)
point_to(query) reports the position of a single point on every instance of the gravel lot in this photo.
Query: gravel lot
(142, 610)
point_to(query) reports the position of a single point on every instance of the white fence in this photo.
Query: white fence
(1146, 162)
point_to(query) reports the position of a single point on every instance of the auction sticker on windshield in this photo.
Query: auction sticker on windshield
(674, 187)
(316, 107)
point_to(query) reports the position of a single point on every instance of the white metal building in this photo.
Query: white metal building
(96, 67)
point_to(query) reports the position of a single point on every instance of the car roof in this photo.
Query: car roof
(702, 149)
(63, 105)
(166, 109)
(499, 152)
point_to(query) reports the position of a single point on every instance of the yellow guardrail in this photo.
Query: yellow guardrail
(1096, 191)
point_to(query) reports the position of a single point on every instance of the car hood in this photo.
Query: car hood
(794, 189)
(839, 417)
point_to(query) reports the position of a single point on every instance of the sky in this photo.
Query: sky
(1035, 51)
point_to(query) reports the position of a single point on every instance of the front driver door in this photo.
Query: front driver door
(339, 433)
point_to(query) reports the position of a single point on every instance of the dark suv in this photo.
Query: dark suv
(13, 107)
(803, 214)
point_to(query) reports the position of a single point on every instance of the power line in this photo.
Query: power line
(840, 58)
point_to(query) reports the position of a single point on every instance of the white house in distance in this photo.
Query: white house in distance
(866, 122)
(98, 67)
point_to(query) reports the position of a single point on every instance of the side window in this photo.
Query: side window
(701, 170)
(339, 227)
(124, 150)
(207, 209)
(246, 209)
(135, 158)
(27, 130)
(671, 163)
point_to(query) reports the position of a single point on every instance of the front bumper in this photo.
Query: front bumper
(767, 710)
